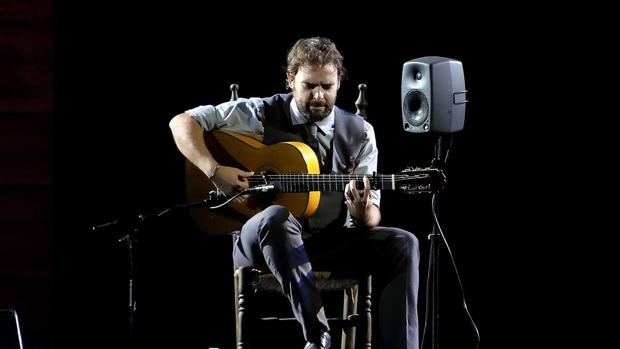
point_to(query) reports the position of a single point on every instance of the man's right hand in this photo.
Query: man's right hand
(230, 179)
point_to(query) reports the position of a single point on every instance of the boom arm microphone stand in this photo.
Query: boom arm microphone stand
(129, 232)
(131, 229)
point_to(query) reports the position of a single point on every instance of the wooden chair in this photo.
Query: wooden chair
(250, 283)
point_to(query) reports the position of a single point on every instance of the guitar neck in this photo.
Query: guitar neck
(295, 183)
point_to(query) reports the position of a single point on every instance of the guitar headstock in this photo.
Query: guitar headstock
(416, 180)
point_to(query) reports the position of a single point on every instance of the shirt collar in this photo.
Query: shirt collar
(326, 125)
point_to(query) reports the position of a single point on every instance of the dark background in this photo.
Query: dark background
(98, 148)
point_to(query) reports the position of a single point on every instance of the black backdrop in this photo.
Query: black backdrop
(121, 73)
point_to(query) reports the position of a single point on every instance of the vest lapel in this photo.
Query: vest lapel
(349, 136)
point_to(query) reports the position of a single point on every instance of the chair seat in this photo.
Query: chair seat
(250, 280)
(322, 280)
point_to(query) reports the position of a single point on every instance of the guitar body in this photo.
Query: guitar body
(236, 150)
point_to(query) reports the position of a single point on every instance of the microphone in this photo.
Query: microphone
(266, 188)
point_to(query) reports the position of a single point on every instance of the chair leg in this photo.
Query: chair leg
(237, 277)
(243, 292)
(368, 313)
(349, 307)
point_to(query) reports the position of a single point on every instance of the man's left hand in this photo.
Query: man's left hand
(361, 207)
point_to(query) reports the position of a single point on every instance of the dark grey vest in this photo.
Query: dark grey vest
(348, 138)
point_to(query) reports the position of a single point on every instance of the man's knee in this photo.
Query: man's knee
(406, 243)
(273, 220)
(276, 211)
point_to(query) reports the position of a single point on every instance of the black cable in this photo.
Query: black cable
(445, 159)
(427, 300)
(458, 276)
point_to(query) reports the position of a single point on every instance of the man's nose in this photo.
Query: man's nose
(318, 93)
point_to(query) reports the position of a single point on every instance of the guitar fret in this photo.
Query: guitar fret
(330, 182)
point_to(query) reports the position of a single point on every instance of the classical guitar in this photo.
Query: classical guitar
(295, 167)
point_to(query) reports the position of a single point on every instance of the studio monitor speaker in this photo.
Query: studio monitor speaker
(433, 95)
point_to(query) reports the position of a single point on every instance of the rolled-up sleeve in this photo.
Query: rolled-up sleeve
(368, 158)
(240, 116)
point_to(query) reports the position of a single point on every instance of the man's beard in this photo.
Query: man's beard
(319, 114)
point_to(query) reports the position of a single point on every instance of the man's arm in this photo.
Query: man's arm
(188, 136)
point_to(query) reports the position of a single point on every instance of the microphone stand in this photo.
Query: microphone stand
(130, 230)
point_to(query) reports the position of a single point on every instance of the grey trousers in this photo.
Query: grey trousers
(272, 240)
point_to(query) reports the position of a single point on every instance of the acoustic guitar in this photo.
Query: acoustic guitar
(295, 168)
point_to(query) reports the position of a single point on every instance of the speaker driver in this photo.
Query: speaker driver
(416, 109)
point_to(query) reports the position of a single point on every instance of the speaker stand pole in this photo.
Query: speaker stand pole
(435, 239)
(434, 261)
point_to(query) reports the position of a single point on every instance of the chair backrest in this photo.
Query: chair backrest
(361, 104)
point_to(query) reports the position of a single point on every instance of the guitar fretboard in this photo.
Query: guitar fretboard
(294, 183)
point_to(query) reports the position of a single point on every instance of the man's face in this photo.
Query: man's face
(314, 90)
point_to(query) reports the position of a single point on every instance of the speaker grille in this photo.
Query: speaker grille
(415, 106)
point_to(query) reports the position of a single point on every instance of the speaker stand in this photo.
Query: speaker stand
(435, 239)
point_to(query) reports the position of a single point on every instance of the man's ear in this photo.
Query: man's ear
(291, 79)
